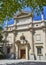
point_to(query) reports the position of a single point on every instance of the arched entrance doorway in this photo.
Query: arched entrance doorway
(23, 50)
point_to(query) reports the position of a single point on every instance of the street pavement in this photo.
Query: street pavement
(28, 63)
(22, 62)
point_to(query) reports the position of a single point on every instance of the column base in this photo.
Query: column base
(32, 56)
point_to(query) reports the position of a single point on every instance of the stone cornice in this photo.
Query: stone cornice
(28, 29)
(39, 21)
(26, 24)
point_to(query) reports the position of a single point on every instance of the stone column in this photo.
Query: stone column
(32, 45)
(27, 52)
(16, 52)
(44, 43)
(5, 43)
(32, 42)
(45, 40)
(15, 46)
(14, 49)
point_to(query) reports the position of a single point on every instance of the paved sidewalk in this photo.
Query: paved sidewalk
(11, 61)
(22, 62)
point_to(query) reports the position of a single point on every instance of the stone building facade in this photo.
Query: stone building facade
(25, 38)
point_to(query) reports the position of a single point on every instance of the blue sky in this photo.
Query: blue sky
(36, 17)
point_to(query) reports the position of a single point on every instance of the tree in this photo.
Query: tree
(34, 4)
(1, 36)
(1, 41)
(9, 7)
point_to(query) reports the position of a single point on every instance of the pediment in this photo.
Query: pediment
(23, 15)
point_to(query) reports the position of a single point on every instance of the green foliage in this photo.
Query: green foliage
(1, 28)
(1, 43)
(1, 36)
(34, 4)
(9, 7)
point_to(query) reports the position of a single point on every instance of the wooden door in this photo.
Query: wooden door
(23, 54)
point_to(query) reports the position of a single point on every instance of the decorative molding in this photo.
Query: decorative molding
(37, 43)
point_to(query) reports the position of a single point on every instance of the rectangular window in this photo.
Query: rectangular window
(8, 50)
(39, 50)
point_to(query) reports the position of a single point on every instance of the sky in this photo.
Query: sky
(36, 17)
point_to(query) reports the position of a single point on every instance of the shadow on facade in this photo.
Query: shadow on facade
(8, 56)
